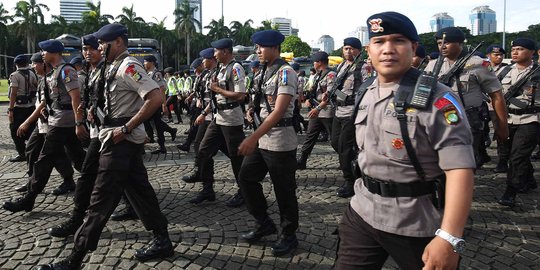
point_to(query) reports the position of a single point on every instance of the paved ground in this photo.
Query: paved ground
(208, 236)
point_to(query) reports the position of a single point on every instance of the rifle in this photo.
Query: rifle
(257, 99)
(86, 90)
(47, 94)
(97, 112)
(448, 78)
(423, 64)
(512, 91)
(340, 80)
(213, 100)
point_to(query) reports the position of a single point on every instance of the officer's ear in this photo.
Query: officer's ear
(414, 46)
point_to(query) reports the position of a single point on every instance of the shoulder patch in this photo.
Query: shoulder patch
(65, 75)
(131, 71)
(284, 76)
(450, 107)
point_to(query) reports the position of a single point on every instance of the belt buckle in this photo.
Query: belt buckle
(373, 186)
(386, 189)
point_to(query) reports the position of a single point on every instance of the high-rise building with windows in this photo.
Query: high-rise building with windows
(197, 13)
(326, 43)
(440, 21)
(72, 10)
(284, 26)
(483, 21)
(362, 34)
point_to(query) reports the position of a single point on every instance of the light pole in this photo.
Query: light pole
(222, 10)
(504, 26)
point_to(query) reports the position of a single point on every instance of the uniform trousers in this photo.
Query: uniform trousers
(86, 181)
(477, 129)
(120, 170)
(33, 148)
(20, 114)
(53, 149)
(363, 247)
(201, 130)
(282, 169)
(315, 126)
(522, 143)
(161, 128)
(344, 142)
(174, 101)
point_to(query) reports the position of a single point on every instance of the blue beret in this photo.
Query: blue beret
(453, 34)
(51, 45)
(90, 40)
(254, 64)
(420, 51)
(295, 66)
(76, 60)
(480, 54)
(494, 48)
(525, 43)
(353, 42)
(207, 53)
(197, 62)
(222, 43)
(268, 38)
(20, 59)
(36, 58)
(319, 56)
(434, 55)
(110, 32)
(390, 22)
(150, 58)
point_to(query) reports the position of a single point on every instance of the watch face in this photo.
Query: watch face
(460, 246)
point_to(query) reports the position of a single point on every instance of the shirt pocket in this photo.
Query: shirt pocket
(392, 144)
(360, 128)
(464, 81)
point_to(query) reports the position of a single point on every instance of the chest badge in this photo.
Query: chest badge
(397, 143)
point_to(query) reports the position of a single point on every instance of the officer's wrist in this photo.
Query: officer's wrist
(204, 113)
(318, 108)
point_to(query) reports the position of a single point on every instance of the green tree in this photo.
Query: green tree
(92, 20)
(5, 18)
(267, 25)
(242, 32)
(61, 26)
(295, 45)
(30, 16)
(218, 30)
(130, 20)
(185, 23)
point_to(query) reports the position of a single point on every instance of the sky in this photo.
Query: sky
(337, 18)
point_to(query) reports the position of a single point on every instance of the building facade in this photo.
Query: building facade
(72, 10)
(197, 13)
(326, 43)
(284, 26)
(362, 34)
(440, 21)
(483, 21)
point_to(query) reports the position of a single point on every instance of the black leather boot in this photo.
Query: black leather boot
(160, 247)
(68, 227)
(25, 203)
(236, 200)
(194, 177)
(126, 214)
(267, 227)
(72, 262)
(285, 244)
(508, 198)
(301, 163)
(206, 194)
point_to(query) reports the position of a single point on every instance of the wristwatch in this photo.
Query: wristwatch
(318, 108)
(458, 244)
(125, 129)
(204, 113)
(78, 123)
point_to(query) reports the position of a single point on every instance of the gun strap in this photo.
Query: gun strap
(111, 77)
(459, 87)
(279, 64)
(360, 95)
(503, 72)
(516, 87)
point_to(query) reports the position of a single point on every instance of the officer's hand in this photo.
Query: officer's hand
(325, 96)
(118, 135)
(214, 87)
(10, 116)
(314, 113)
(502, 134)
(81, 132)
(44, 114)
(80, 108)
(247, 146)
(89, 116)
(439, 254)
(200, 119)
(249, 115)
(23, 128)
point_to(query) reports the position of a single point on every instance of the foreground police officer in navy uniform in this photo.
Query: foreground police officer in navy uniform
(129, 97)
(470, 84)
(523, 118)
(392, 212)
(272, 146)
(65, 125)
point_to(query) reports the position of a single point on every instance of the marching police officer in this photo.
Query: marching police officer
(352, 73)
(520, 85)
(272, 147)
(321, 113)
(22, 91)
(65, 125)
(392, 211)
(194, 111)
(130, 96)
(470, 83)
(226, 131)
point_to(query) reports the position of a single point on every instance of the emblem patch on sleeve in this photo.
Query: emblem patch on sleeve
(284, 77)
(131, 71)
(450, 108)
(65, 75)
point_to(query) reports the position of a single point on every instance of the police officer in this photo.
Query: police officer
(419, 58)
(226, 131)
(65, 125)
(22, 91)
(495, 54)
(173, 98)
(204, 97)
(353, 73)
(129, 98)
(470, 83)
(272, 147)
(321, 112)
(523, 113)
(392, 212)
(197, 87)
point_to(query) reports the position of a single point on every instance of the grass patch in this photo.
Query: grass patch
(4, 90)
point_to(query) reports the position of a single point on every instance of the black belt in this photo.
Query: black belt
(284, 122)
(115, 122)
(227, 106)
(393, 189)
(349, 100)
(532, 110)
(63, 107)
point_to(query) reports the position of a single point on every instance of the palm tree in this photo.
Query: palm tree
(130, 19)
(160, 32)
(30, 16)
(185, 23)
(60, 26)
(267, 25)
(218, 30)
(92, 20)
(5, 18)
(242, 32)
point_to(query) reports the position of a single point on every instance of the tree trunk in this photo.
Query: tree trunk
(187, 49)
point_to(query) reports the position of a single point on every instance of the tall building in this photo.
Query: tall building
(72, 10)
(326, 43)
(197, 13)
(483, 21)
(362, 34)
(440, 21)
(284, 26)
